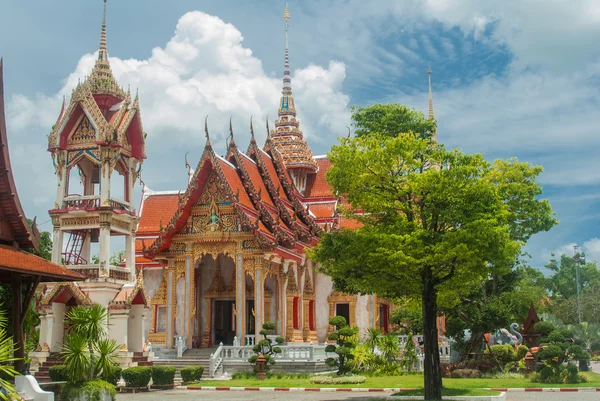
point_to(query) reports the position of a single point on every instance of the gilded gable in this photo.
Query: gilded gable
(84, 134)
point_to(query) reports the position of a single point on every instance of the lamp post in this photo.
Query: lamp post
(579, 259)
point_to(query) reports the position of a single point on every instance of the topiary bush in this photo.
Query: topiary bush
(58, 373)
(343, 347)
(509, 357)
(93, 390)
(114, 376)
(163, 375)
(138, 376)
(264, 346)
(191, 374)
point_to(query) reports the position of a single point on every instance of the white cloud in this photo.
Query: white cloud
(203, 70)
(591, 248)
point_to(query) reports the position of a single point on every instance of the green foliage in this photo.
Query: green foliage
(7, 372)
(191, 373)
(556, 352)
(76, 357)
(93, 390)
(449, 227)
(58, 373)
(325, 379)
(587, 335)
(408, 318)
(409, 355)
(390, 120)
(85, 352)
(138, 376)
(344, 345)
(115, 375)
(163, 375)
(265, 348)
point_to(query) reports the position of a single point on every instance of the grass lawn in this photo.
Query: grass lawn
(407, 381)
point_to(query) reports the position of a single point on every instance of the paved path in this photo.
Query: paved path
(191, 395)
(596, 367)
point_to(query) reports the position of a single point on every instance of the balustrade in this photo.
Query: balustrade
(81, 202)
(288, 352)
(118, 205)
(93, 271)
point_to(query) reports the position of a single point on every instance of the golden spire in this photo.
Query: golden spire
(431, 117)
(103, 54)
(286, 13)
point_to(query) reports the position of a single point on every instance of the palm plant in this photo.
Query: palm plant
(390, 348)
(77, 357)
(7, 350)
(586, 334)
(90, 322)
(374, 338)
(106, 363)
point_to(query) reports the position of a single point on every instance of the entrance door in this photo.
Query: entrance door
(223, 325)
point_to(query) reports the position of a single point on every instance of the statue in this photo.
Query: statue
(213, 221)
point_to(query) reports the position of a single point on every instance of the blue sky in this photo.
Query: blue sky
(511, 78)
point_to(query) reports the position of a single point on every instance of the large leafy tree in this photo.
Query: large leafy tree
(432, 220)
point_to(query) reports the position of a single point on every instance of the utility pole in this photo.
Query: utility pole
(578, 259)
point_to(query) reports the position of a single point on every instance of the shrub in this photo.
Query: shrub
(192, 374)
(337, 379)
(114, 376)
(343, 347)
(409, 356)
(163, 375)
(465, 373)
(92, 390)
(264, 346)
(58, 373)
(138, 376)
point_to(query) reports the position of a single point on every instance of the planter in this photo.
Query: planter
(162, 386)
(132, 389)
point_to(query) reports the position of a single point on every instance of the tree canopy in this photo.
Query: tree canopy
(432, 219)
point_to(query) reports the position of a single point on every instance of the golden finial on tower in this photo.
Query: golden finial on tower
(431, 116)
(103, 54)
(286, 13)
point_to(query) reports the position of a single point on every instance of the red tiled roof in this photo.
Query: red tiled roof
(316, 184)
(322, 210)
(348, 223)
(156, 208)
(256, 179)
(14, 260)
(272, 173)
(235, 183)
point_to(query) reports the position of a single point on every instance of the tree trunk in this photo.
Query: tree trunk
(431, 361)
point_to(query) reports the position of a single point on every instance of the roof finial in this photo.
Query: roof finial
(231, 131)
(251, 130)
(268, 130)
(206, 131)
(431, 117)
(103, 54)
(287, 80)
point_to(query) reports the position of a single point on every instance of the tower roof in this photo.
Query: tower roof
(102, 80)
(431, 115)
(287, 137)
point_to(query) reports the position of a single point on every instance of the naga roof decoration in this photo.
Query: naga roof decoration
(111, 113)
(251, 184)
(287, 136)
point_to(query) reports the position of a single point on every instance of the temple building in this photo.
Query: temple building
(203, 265)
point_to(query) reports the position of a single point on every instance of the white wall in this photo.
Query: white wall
(135, 327)
(323, 288)
(180, 302)
(152, 280)
(58, 326)
(362, 315)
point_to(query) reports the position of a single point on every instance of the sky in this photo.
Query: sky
(511, 78)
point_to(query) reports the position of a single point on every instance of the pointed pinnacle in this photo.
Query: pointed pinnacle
(268, 130)
(348, 132)
(206, 131)
(231, 131)
(286, 13)
(251, 128)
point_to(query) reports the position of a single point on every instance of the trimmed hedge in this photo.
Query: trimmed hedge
(115, 375)
(138, 376)
(93, 390)
(163, 375)
(58, 373)
(192, 373)
(322, 379)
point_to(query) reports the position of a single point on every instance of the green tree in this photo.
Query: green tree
(432, 220)
(562, 283)
(390, 120)
(45, 246)
(344, 345)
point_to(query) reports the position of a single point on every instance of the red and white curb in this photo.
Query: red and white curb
(548, 389)
(297, 389)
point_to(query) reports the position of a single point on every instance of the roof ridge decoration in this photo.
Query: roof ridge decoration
(287, 136)
(25, 235)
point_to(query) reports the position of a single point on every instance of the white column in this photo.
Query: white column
(135, 328)
(258, 300)
(284, 281)
(104, 184)
(62, 185)
(170, 306)
(57, 245)
(118, 326)
(104, 250)
(130, 255)
(86, 248)
(187, 330)
(46, 327)
(372, 310)
(240, 298)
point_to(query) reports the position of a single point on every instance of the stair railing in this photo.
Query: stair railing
(216, 361)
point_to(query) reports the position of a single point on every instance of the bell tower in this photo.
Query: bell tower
(97, 147)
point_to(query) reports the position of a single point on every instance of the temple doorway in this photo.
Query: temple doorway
(224, 322)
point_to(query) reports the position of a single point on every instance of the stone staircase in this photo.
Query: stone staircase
(191, 357)
(141, 359)
(42, 375)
